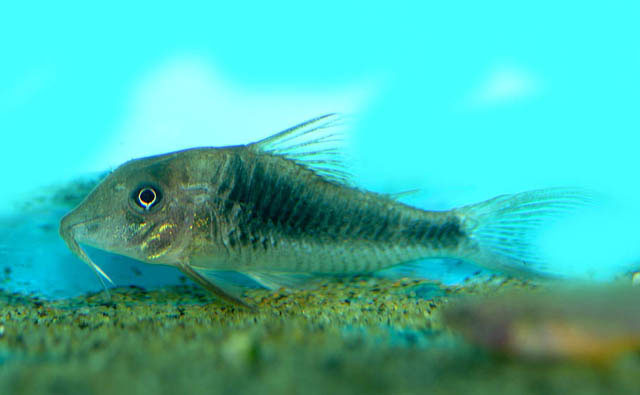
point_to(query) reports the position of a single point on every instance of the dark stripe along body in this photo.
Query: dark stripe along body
(264, 207)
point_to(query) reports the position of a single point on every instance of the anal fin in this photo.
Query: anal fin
(209, 283)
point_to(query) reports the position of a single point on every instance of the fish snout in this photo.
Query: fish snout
(66, 228)
(79, 226)
(71, 225)
(66, 225)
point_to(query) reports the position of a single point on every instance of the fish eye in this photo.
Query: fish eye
(147, 197)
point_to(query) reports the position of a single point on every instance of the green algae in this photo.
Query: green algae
(350, 336)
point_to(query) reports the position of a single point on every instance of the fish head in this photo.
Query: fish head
(136, 211)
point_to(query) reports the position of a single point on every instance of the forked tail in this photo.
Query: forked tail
(502, 229)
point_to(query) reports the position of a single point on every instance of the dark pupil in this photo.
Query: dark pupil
(147, 197)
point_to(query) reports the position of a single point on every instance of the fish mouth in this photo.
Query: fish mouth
(67, 233)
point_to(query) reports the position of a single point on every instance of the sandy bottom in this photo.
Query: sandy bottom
(353, 336)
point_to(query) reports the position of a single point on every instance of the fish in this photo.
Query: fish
(283, 210)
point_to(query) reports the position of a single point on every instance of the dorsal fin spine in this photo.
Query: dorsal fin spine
(310, 144)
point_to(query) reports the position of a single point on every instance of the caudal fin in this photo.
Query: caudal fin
(503, 229)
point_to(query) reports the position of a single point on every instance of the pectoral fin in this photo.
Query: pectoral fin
(207, 282)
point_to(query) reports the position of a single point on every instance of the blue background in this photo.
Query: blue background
(462, 100)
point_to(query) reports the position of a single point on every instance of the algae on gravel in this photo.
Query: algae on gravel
(366, 335)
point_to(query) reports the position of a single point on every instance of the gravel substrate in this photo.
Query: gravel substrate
(366, 335)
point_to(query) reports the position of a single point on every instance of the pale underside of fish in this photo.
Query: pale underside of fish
(283, 209)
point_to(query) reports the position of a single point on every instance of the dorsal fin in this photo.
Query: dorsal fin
(312, 144)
